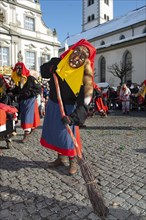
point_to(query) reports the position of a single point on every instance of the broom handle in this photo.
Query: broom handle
(79, 154)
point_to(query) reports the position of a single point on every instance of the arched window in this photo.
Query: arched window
(102, 43)
(88, 18)
(144, 31)
(128, 62)
(102, 69)
(93, 17)
(90, 2)
(122, 37)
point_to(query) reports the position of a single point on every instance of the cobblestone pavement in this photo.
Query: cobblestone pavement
(116, 148)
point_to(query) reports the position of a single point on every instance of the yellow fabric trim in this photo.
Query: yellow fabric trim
(73, 76)
(17, 78)
(1, 91)
(143, 93)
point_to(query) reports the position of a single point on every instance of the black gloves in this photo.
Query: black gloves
(47, 69)
(66, 120)
(25, 95)
(78, 117)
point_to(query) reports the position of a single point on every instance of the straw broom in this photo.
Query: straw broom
(93, 190)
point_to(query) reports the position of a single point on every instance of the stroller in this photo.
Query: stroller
(8, 115)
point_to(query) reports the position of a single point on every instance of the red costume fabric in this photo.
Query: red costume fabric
(4, 81)
(84, 43)
(99, 101)
(4, 109)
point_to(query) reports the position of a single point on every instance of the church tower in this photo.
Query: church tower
(95, 12)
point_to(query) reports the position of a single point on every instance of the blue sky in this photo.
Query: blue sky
(66, 15)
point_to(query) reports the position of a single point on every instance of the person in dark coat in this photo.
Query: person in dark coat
(4, 89)
(26, 89)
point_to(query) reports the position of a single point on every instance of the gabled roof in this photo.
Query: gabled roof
(131, 18)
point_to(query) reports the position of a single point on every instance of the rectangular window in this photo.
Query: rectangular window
(29, 23)
(90, 2)
(45, 58)
(30, 60)
(106, 2)
(4, 56)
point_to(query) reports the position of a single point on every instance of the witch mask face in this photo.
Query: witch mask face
(19, 70)
(78, 56)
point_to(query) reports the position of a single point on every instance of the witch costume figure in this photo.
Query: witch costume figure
(74, 70)
(4, 89)
(141, 94)
(26, 89)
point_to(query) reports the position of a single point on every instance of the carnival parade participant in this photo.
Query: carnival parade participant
(99, 104)
(26, 88)
(74, 70)
(4, 89)
(124, 96)
(141, 94)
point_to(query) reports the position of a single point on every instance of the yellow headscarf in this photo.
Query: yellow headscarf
(73, 76)
(15, 77)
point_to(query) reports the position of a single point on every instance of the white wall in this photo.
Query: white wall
(106, 9)
(138, 52)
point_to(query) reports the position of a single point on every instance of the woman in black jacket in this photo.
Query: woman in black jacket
(26, 89)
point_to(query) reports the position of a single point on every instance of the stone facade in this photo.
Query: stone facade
(22, 29)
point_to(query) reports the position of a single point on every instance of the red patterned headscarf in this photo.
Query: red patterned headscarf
(74, 76)
(84, 43)
(25, 73)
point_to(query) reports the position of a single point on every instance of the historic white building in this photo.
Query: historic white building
(22, 29)
(122, 39)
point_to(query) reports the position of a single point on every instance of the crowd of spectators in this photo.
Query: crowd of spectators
(110, 97)
(114, 100)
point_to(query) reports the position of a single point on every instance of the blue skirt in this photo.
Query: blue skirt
(29, 113)
(54, 133)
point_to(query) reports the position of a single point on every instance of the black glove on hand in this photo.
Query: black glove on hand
(50, 67)
(66, 120)
(25, 95)
(79, 115)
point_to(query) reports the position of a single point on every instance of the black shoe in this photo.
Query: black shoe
(26, 137)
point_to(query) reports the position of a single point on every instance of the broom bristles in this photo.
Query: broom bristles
(93, 190)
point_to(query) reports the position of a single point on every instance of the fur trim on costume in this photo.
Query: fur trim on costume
(88, 80)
